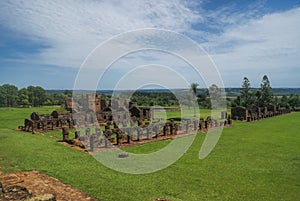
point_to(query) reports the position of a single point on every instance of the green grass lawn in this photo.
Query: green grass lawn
(186, 112)
(252, 161)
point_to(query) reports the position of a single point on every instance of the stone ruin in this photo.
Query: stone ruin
(122, 126)
(44, 122)
(123, 123)
(103, 109)
(253, 112)
(93, 138)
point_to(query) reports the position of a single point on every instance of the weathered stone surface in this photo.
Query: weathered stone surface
(35, 116)
(65, 134)
(16, 193)
(55, 114)
(43, 197)
(252, 112)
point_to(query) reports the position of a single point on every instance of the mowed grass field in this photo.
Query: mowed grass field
(252, 161)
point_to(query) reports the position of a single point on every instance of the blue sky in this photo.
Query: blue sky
(45, 42)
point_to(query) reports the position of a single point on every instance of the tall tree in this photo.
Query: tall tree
(216, 97)
(194, 90)
(68, 93)
(36, 95)
(284, 102)
(246, 97)
(214, 92)
(267, 96)
(23, 98)
(203, 100)
(294, 101)
(31, 96)
(9, 95)
(237, 101)
(3, 101)
(258, 98)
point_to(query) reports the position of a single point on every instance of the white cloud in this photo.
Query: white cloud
(244, 42)
(72, 29)
(259, 46)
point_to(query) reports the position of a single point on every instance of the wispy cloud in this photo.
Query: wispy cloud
(243, 40)
(72, 29)
(264, 45)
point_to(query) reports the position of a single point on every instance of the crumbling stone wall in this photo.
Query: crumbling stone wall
(44, 122)
(253, 112)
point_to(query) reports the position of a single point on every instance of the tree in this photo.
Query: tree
(194, 90)
(294, 101)
(214, 92)
(215, 95)
(276, 100)
(246, 97)
(2, 97)
(284, 102)
(237, 101)
(267, 96)
(68, 93)
(230, 102)
(49, 99)
(258, 98)
(55, 99)
(203, 100)
(31, 96)
(36, 95)
(9, 95)
(23, 98)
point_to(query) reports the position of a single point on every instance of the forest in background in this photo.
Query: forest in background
(35, 96)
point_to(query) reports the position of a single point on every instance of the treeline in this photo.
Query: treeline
(234, 92)
(168, 99)
(35, 96)
(144, 98)
(247, 95)
(11, 96)
(263, 96)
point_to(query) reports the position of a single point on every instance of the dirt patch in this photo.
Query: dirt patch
(40, 184)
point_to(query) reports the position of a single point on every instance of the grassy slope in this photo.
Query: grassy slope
(252, 161)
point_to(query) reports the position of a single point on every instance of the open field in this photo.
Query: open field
(252, 161)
